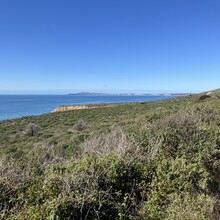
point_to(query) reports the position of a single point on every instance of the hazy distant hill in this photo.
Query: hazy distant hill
(127, 94)
(88, 94)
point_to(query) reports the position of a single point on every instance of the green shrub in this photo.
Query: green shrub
(203, 97)
(189, 207)
(80, 125)
(32, 130)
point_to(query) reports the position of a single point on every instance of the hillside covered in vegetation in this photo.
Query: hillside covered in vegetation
(149, 160)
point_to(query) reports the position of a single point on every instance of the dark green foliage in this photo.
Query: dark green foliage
(212, 165)
(203, 97)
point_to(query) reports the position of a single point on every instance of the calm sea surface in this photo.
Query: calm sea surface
(15, 106)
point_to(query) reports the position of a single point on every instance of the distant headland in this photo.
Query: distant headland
(127, 94)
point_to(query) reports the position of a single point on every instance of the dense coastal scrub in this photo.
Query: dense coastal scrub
(156, 160)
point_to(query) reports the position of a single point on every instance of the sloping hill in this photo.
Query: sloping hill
(149, 160)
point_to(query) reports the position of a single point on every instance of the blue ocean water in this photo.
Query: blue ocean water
(16, 106)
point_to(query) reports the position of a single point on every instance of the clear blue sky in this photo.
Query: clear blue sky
(109, 45)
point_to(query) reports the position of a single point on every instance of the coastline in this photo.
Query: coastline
(64, 108)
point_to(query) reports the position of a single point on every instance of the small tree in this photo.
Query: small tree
(32, 130)
(80, 125)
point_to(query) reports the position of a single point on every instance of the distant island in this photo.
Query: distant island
(127, 94)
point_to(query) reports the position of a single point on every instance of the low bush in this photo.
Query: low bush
(32, 130)
(80, 125)
(203, 97)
